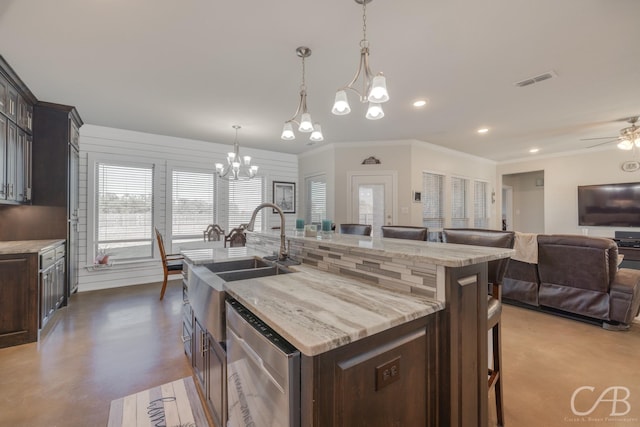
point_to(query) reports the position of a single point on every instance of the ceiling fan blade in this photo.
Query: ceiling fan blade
(603, 143)
(603, 137)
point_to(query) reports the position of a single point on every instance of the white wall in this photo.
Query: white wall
(408, 158)
(163, 152)
(563, 174)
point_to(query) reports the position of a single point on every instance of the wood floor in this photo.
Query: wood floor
(108, 344)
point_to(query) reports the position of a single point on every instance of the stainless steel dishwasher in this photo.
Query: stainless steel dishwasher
(263, 373)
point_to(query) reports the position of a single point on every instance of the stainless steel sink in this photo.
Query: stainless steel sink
(272, 270)
(237, 264)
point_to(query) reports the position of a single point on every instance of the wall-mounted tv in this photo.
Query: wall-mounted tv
(609, 205)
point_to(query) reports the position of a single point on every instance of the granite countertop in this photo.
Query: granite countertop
(445, 254)
(27, 246)
(209, 255)
(317, 311)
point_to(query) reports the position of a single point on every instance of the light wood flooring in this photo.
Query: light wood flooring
(111, 343)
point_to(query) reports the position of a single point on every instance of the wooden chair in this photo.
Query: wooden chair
(236, 238)
(495, 274)
(171, 263)
(359, 229)
(213, 233)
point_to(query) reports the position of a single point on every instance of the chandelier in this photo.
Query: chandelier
(630, 136)
(374, 88)
(236, 167)
(304, 122)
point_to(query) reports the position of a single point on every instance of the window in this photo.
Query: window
(124, 211)
(316, 206)
(237, 201)
(459, 217)
(192, 205)
(432, 200)
(480, 205)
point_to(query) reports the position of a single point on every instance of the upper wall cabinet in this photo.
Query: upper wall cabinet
(16, 127)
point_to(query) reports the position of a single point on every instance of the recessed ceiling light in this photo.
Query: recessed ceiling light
(534, 150)
(420, 103)
(483, 130)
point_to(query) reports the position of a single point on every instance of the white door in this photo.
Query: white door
(372, 200)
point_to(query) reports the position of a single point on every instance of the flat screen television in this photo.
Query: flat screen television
(609, 205)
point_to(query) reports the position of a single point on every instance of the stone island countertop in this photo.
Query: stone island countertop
(318, 311)
(27, 246)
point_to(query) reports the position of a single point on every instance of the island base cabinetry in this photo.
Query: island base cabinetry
(380, 381)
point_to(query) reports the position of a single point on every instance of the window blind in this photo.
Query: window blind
(480, 205)
(124, 210)
(192, 203)
(432, 200)
(459, 217)
(316, 199)
(237, 201)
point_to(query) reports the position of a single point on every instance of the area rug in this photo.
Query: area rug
(175, 404)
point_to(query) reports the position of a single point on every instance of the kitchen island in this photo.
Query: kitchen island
(358, 308)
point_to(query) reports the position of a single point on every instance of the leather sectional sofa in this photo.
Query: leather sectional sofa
(575, 275)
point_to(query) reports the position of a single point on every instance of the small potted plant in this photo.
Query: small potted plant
(103, 257)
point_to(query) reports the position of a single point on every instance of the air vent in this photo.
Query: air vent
(536, 79)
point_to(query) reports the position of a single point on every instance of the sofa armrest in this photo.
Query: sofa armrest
(625, 296)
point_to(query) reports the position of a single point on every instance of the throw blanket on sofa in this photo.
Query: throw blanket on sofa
(526, 247)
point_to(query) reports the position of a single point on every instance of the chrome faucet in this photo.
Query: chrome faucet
(283, 255)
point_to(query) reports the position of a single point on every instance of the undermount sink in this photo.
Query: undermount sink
(237, 264)
(251, 273)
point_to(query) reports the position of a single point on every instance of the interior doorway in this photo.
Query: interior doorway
(372, 200)
(523, 201)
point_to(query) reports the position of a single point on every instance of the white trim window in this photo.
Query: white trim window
(459, 210)
(123, 211)
(192, 204)
(433, 200)
(316, 192)
(237, 200)
(480, 204)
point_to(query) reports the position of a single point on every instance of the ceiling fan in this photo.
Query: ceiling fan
(629, 136)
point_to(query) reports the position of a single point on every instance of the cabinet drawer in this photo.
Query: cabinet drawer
(47, 258)
(60, 251)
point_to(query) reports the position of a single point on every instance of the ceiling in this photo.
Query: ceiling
(194, 68)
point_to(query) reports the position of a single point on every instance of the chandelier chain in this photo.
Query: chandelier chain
(304, 86)
(364, 23)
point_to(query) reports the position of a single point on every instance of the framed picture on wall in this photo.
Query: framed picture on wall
(284, 196)
(417, 197)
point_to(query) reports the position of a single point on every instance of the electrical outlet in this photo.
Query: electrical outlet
(387, 373)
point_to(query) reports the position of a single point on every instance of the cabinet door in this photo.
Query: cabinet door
(60, 272)
(217, 381)
(27, 162)
(20, 172)
(12, 145)
(3, 156)
(73, 237)
(47, 279)
(18, 299)
(200, 353)
(11, 109)
(4, 94)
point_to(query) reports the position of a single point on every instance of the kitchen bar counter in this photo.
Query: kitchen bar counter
(27, 246)
(318, 311)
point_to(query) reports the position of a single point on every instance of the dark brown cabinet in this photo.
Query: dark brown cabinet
(379, 381)
(18, 299)
(16, 120)
(52, 282)
(55, 176)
